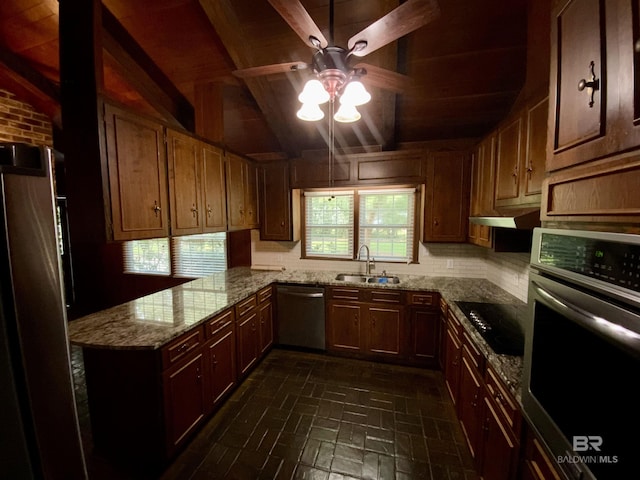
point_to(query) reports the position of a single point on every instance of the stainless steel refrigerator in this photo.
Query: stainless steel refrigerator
(39, 433)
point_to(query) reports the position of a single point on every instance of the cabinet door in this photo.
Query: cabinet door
(470, 405)
(275, 221)
(498, 443)
(248, 341)
(221, 359)
(385, 331)
(482, 189)
(424, 335)
(235, 192)
(266, 326)
(184, 183)
(446, 212)
(213, 189)
(577, 52)
(184, 396)
(343, 327)
(250, 181)
(536, 151)
(137, 165)
(508, 162)
(452, 365)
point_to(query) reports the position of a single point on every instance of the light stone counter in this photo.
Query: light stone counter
(154, 320)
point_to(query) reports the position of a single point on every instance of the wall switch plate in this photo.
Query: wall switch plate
(450, 263)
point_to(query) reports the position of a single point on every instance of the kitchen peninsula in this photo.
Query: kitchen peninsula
(149, 362)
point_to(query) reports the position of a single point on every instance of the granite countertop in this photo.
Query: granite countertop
(154, 320)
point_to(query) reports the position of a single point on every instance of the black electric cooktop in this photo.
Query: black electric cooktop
(499, 324)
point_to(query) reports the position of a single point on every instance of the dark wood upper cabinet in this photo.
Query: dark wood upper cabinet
(214, 200)
(242, 197)
(593, 155)
(593, 41)
(137, 175)
(446, 209)
(482, 189)
(184, 183)
(508, 160)
(281, 220)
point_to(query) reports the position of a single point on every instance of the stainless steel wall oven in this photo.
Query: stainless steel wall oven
(582, 351)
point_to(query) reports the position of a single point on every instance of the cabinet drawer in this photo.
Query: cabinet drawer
(219, 323)
(453, 323)
(182, 346)
(245, 306)
(384, 296)
(345, 293)
(507, 407)
(443, 306)
(423, 298)
(265, 294)
(540, 465)
(472, 352)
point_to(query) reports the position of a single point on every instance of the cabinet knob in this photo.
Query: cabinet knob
(591, 85)
(194, 210)
(435, 222)
(209, 210)
(156, 208)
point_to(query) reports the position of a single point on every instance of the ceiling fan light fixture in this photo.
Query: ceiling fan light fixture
(314, 92)
(310, 112)
(347, 114)
(355, 94)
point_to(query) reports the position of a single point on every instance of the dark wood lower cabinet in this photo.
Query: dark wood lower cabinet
(425, 335)
(221, 360)
(343, 327)
(248, 342)
(453, 350)
(470, 405)
(265, 317)
(386, 331)
(184, 394)
(500, 447)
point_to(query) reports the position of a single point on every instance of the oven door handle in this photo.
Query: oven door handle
(628, 339)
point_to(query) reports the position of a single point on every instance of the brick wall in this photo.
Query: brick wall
(20, 122)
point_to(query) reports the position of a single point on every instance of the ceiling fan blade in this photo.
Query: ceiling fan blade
(404, 19)
(299, 20)
(385, 79)
(270, 69)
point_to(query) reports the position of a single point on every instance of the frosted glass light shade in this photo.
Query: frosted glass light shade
(314, 92)
(347, 114)
(355, 94)
(310, 112)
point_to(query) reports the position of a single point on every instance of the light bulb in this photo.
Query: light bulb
(347, 114)
(354, 94)
(310, 112)
(314, 92)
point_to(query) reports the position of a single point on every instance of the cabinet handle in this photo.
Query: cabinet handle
(194, 210)
(499, 398)
(592, 85)
(214, 361)
(156, 208)
(282, 223)
(183, 347)
(209, 210)
(529, 170)
(515, 175)
(474, 402)
(198, 375)
(373, 322)
(355, 318)
(435, 222)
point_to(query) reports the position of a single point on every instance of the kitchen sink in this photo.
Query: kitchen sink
(361, 278)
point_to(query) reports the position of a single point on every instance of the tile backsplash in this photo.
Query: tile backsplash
(508, 271)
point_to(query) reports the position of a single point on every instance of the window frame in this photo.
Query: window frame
(417, 198)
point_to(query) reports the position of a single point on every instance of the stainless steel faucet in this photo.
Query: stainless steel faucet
(368, 265)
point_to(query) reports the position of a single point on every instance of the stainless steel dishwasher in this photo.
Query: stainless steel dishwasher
(301, 316)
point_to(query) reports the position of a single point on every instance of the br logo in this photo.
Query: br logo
(583, 443)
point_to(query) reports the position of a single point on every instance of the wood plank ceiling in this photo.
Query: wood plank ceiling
(466, 67)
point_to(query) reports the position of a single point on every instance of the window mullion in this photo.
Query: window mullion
(356, 224)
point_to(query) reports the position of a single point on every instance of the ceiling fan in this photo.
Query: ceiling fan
(331, 63)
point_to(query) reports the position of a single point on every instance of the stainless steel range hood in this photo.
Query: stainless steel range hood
(521, 218)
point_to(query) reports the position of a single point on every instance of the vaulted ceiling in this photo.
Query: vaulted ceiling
(465, 68)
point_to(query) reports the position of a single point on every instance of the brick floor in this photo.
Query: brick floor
(311, 416)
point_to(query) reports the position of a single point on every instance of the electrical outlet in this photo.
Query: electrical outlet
(450, 263)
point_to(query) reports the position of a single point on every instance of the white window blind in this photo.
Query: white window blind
(199, 255)
(329, 224)
(387, 219)
(147, 256)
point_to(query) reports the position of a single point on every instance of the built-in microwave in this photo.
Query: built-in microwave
(582, 351)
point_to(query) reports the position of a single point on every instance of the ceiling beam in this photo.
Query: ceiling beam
(222, 16)
(29, 83)
(142, 72)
